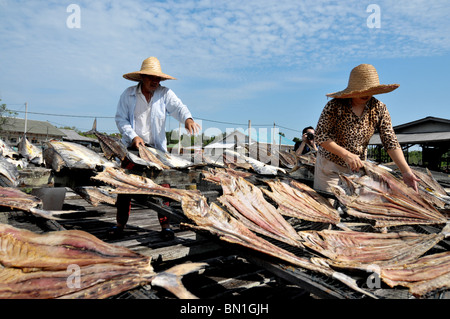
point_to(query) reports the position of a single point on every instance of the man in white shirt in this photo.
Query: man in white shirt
(140, 118)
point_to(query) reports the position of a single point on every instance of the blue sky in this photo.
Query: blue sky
(260, 60)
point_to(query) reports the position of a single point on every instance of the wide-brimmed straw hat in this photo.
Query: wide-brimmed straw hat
(150, 66)
(363, 81)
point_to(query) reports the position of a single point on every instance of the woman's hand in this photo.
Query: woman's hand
(411, 180)
(353, 161)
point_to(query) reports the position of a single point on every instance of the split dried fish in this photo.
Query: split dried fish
(7, 151)
(9, 174)
(431, 189)
(363, 250)
(149, 157)
(29, 151)
(167, 159)
(298, 200)
(40, 266)
(246, 202)
(257, 166)
(95, 195)
(59, 155)
(216, 221)
(14, 198)
(421, 276)
(111, 146)
(380, 196)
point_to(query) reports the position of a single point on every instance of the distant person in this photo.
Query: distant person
(346, 125)
(140, 118)
(307, 144)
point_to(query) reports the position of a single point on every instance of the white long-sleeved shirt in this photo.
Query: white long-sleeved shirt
(163, 102)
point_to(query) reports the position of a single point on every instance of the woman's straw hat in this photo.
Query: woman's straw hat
(363, 81)
(150, 66)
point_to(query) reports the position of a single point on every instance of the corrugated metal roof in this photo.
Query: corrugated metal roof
(33, 127)
(415, 138)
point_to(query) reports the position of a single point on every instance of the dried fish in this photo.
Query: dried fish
(7, 151)
(257, 166)
(111, 146)
(149, 157)
(362, 250)
(16, 199)
(298, 200)
(29, 151)
(215, 220)
(379, 196)
(431, 189)
(9, 174)
(167, 159)
(288, 160)
(59, 155)
(41, 266)
(421, 276)
(246, 202)
(95, 195)
(218, 222)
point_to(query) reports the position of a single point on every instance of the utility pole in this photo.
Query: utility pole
(26, 111)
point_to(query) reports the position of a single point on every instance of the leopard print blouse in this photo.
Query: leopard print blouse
(338, 123)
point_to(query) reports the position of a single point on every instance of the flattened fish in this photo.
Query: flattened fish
(59, 155)
(301, 201)
(379, 196)
(16, 199)
(9, 174)
(76, 264)
(246, 203)
(111, 146)
(421, 276)
(167, 159)
(257, 166)
(362, 250)
(215, 220)
(220, 223)
(7, 151)
(95, 195)
(29, 151)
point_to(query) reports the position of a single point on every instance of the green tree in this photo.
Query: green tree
(5, 115)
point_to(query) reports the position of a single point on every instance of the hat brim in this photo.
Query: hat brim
(137, 76)
(379, 89)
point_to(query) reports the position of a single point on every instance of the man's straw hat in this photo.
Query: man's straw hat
(363, 81)
(150, 66)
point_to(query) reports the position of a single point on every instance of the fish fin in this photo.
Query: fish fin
(171, 279)
(94, 127)
(446, 230)
(43, 213)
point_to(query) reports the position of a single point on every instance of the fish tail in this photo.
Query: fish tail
(94, 128)
(171, 279)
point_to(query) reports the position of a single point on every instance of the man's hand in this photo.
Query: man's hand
(137, 141)
(191, 126)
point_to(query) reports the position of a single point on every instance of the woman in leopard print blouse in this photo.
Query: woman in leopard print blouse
(346, 125)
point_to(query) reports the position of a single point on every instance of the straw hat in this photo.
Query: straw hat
(363, 81)
(150, 66)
